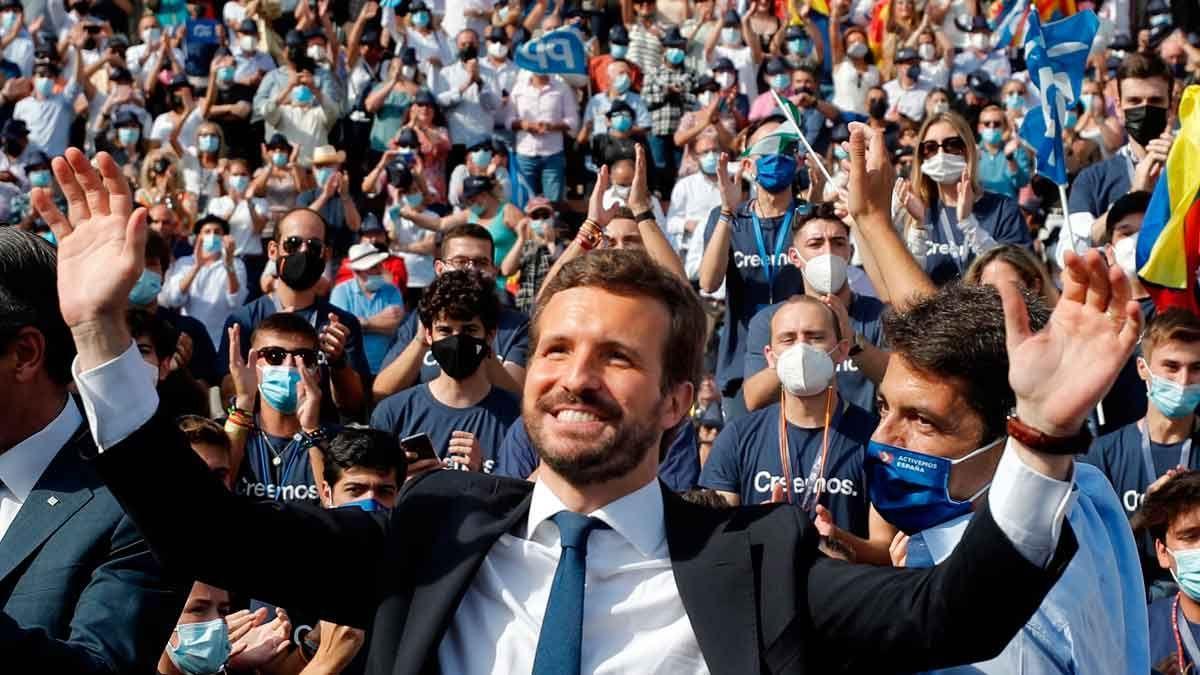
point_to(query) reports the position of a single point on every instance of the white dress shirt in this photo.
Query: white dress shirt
(207, 298)
(470, 114)
(633, 618)
(693, 198)
(23, 464)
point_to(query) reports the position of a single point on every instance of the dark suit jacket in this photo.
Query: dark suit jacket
(79, 590)
(760, 597)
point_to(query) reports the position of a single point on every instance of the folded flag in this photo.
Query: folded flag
(558, 52)
(1168, 248)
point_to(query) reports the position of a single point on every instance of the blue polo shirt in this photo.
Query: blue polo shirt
(679, 468)
(866, 318)
(947, 256)
(350, 296)
(511, 343)
(1099, 185)
(996, 176)
(745, 459)
(415, 411)
(747, 289)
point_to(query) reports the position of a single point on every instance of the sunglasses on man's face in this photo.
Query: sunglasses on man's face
(953, 146)
(275, 356)
(293, 244)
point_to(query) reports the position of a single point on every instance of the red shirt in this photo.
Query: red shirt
(394, 266)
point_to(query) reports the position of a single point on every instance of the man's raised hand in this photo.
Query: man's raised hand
(101, 252)
(872, 175)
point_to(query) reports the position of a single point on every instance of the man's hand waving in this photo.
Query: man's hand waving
(101, 247)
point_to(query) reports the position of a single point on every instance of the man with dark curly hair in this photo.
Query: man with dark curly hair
(464, 416)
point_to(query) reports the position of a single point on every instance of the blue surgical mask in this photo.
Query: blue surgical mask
(203, 647)
(212, 243)
(781, 81)
(7, 19)
(239, 182)
(1188, 574)
(302, 95)
(279, 159)
(840, 153)
(393, 212)
(280, 388)
(708, 162)
(911, 489)
(622, 123)
(40, 178)
(208, 143)
(675, 56)
(413, 199)
(622, 83)
(225, 74)
(481, 157)
(368, 505)
(539, 225)
(420, 19)
(478, 209)
(1071, 121)
(128, 135)
(1171, 398)
(1014, 101)
(323, 174)
(44, 85)
(375, 282)
(991, 136)
(618, 51)
(775, 173)
(797, 46)
(146, 289)
(49, 236)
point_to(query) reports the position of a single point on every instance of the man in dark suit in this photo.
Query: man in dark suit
(471, 573)
(79, 589)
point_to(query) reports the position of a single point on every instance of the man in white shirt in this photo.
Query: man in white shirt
(210, 283)
(139, 57)
(467, 98)
(695, 196)
(619, 342)
(16, 42)
(907, 92)
(251, 63)
(49, 114)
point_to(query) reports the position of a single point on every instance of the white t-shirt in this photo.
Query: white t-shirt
(202, 182)
(850, 86)
(910, 102)
(935, 73)
(405, 233)
(241, 226)
(164, 125)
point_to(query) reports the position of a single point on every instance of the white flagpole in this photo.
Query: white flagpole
(1062, 195)
(796, 123)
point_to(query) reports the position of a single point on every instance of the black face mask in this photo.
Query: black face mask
(89, 43)
(467, 53)
(1145, 123)
(877, 108)
(14, 148)
(914, 72)
(459, 355)
(301, 270)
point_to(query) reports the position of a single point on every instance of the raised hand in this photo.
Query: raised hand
(596, 211)
(464, 451)
(871, 175)
(1060, 373)
(101, 247)
(730, 186)
(339, 645)
(898, 550)
(309, 412)
(262, 643)
(242, 370)
(966, 197)
(334, 338)
(639, 193)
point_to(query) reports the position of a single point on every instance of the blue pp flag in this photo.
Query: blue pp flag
(1056, 55)
(559, 52)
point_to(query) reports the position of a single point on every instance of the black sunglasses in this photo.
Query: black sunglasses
(275, 356)
(293, 244)
(806, 211)
(953, 146)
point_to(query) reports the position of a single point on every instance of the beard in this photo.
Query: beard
(595, 460)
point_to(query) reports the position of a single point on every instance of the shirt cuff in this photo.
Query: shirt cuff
(1029, 507)
(118, 396)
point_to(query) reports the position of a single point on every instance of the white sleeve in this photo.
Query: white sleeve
(118, 396)
(1029, 507)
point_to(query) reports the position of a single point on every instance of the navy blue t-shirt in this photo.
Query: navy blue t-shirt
(1125, 402)
(251, 314)
(866, 318)
(998, 215)
(291, 480)
(203, 365)
(745, 460)
(746, 287)
(679, 468)
(1099, 185)
(511, 343)
(415, 411)
(1162, 634)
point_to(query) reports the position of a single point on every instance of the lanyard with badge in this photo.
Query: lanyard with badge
(814, 486)
(1185, 453)
(781, 237)
(273, 464)
(948, 232)
(1184, 640)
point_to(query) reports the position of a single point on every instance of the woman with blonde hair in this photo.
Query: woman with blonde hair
(1006, 264)
(161, 182)
(954, 219)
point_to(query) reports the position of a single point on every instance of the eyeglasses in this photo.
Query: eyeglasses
(293, 244)
(953, 146)
(275, 356)
(461, 262)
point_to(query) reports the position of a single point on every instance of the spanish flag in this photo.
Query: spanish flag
(1050, 10)
(877, 29)
(1168, 249)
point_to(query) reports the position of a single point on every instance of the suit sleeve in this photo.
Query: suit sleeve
(965, 610)
(230, 541)
(125, 591)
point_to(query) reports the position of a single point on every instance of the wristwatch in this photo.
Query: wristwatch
(1040, 441)
(644, 215)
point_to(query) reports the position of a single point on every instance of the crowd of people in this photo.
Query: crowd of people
(421, 321)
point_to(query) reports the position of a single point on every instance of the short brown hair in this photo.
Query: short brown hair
(1173, 324)
(1141, 66)
(203, 430)
(632, 273)
(1161, 507)
(157, 249)
(468, 231)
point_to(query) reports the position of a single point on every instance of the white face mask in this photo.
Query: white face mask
(1125, 252)
(497, 50)
(704, 98)
(939, 108)
(943, 168)
(246, 43)
(857, 50)
(407, 72)
(804, 370)
(725, 80)
(315, 52)
(825, 273)
(621, 192)
(979, 41)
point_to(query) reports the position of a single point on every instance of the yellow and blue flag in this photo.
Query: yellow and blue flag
(1168, 249)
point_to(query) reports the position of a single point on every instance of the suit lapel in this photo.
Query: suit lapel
(57, 496)
(715, 577)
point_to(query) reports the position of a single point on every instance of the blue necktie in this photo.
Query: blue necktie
(559, 642)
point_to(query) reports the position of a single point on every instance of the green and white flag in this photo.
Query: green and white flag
(785, 137)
